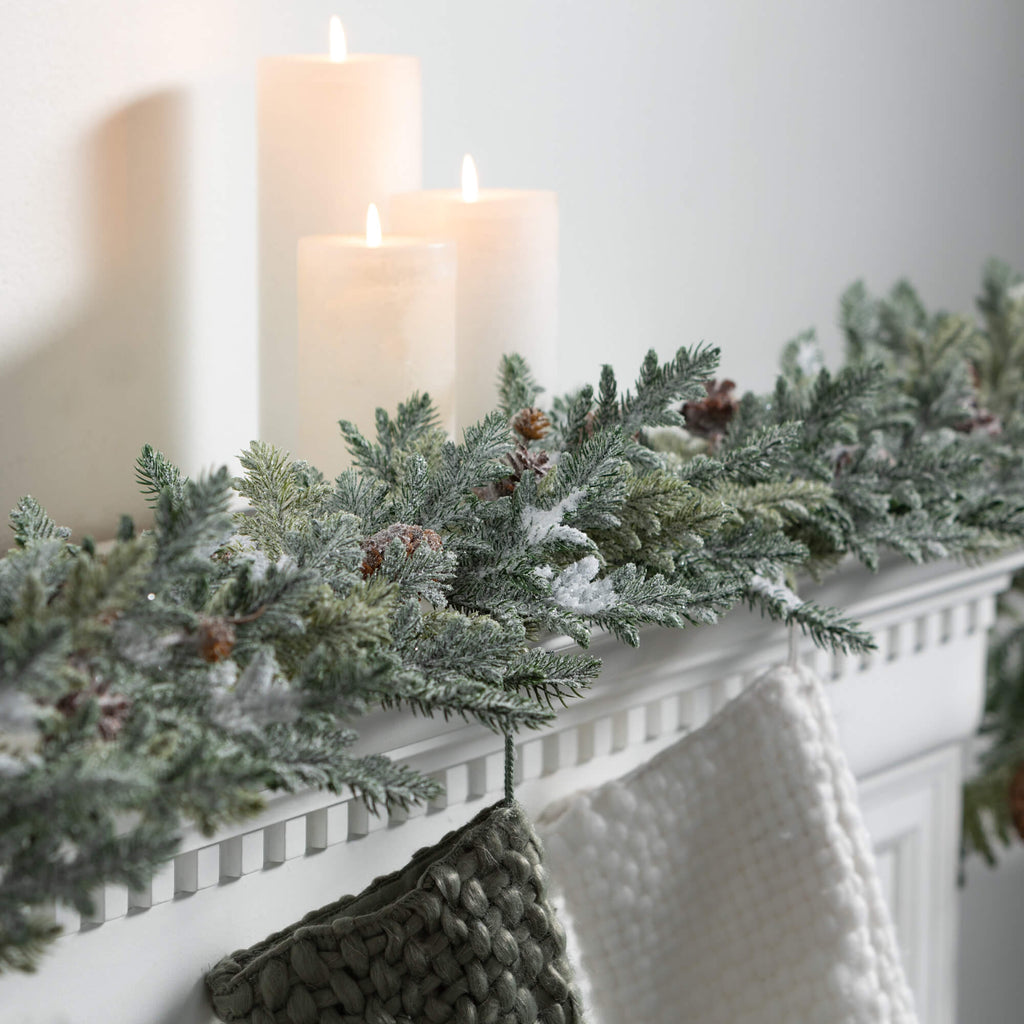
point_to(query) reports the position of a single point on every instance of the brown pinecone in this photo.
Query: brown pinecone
(842, 455)
(531, 423)
(496, 489)
(215, 639)
(410, 535)
(524, 458)
(1016, 798)
(981, 422)
(710, 417)
(520, 460)
(114, 707)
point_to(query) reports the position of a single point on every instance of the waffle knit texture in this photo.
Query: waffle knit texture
(463, 934)
(730, 880)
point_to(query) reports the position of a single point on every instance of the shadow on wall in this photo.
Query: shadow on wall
(77, 404)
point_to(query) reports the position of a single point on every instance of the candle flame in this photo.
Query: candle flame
(470, 183)
(373, 233)
(339, 51)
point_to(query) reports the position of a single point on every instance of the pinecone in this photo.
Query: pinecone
(524, 458)
(496, 489)
(410, 535)
(114, 707)
(842, 455)
(520, 460)
(531, 423)
(1016, 798)
(710, 417)
(981, 422)
(215, 639)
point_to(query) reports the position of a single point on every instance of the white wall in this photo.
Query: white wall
(723, 170)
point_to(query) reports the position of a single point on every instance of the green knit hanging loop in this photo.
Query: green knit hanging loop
(510, 768)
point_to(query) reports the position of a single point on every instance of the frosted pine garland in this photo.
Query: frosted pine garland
(190, 667)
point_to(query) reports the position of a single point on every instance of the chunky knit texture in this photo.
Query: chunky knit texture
(463, 934)
(730, 880)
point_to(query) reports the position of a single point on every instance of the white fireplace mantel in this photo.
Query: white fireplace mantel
(903, 714)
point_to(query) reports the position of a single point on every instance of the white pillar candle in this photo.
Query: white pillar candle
(376, 323)
(507, 244)
(336, 132)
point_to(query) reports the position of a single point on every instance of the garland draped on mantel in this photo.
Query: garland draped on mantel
(185, 669)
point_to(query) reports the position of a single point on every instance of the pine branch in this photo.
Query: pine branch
(283, 496)
(98, 588)
(573, 419)
(517, 388)
(631, 600)
(764, 454)
(31, 524)
(658, 388)
(479, 460)
(548, 678)
(660, 517)
(827, 627)
(986, 814)
(155, 475)
(397, 439)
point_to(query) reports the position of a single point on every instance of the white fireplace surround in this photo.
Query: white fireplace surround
(903, 713)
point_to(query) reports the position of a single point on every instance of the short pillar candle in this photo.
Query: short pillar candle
(376, 323)
(507, 243)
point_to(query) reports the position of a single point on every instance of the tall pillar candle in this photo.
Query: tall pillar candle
(336, 132)
(507, 243)
(376, 322)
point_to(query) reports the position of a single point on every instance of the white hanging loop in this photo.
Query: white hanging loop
(794, 647)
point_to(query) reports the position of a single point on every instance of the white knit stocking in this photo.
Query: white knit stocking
(730, 880)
